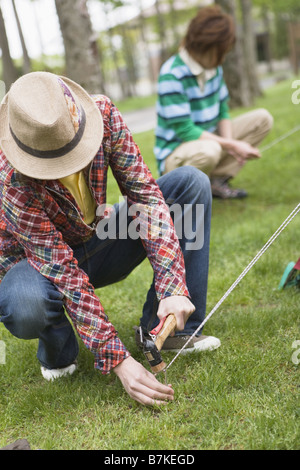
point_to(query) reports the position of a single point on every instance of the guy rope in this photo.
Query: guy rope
(238, 280)
(252, 262)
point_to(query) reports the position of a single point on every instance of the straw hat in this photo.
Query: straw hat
(49, 126)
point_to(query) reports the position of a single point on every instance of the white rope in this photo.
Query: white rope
(280, 139)
(254, 260)
(241, 276)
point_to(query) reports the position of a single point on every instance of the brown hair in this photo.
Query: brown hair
(211, 27)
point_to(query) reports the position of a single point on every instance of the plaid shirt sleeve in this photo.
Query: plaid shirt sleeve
(43, 245)
(152, 214)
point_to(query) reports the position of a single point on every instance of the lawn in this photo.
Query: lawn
(245, 395)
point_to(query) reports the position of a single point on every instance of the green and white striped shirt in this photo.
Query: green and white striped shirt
(186, 106)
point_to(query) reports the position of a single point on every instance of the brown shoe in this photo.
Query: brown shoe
(220, 188)
(175, 343)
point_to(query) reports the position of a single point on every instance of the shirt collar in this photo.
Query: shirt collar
(202, 74)
(194, 66)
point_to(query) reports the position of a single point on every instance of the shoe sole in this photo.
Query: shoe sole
(52, 374)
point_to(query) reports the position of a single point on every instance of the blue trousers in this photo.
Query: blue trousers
(32, 307)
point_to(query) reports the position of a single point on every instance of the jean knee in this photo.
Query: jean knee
(196, 184)
(19, 317)
(25, 300)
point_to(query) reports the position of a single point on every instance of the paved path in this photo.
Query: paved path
(141, 120)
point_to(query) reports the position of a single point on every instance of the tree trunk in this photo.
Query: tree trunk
(38, 28)
(250, 48)
(26, 60)
(128, 48)
(161, 32)
(123, 84)
(267, 26)
(174, 25)
(82, 59)
(143, 31)
(234, 66)
(9, 71)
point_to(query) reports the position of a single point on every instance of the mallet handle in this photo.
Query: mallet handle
(165, 328)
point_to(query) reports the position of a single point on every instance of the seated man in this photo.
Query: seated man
(194, 127)
(57, 143)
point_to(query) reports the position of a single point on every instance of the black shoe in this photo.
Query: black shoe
(220, 188)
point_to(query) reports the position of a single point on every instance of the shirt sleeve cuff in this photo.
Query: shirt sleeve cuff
(110, 355)
(173, 287)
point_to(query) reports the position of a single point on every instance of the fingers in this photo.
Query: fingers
(142, 385)
(243, 151)
(180, 306)
(256, 153)
(149, 391)
(147, 396)
(253, 153)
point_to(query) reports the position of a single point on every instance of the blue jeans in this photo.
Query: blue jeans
(32, 307)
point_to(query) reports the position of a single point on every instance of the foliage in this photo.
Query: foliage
(137, 49)
(243, 395)
(280, 6)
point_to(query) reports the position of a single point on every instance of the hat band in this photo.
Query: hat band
(57, 152)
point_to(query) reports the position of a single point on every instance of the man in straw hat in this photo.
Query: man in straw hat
(57, 143)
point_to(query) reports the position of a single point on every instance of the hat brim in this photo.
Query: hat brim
(60, 167)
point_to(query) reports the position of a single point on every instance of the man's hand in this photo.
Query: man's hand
(141, 385)
(238, 149)
(242, 151)
(179, 305)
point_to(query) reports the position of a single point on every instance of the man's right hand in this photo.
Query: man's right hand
(141, 385)
(242, 151)
(239, 149)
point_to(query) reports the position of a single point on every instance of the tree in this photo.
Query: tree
(240, 64)
(145, 44)
(9, 70)
(26, 59)
(128, 48)
(123, 83)
(81, 52)
(278, 16)
(161, 26)
(234, 67)
(290, 7)
(249, 47)
(173, 16)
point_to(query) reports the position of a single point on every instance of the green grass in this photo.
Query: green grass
(135, 103)
(245, 395)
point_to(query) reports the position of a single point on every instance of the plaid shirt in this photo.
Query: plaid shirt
(41, 221)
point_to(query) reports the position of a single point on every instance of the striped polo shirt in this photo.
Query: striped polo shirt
(186, 107)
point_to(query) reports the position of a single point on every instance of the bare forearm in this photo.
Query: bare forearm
(225, 129)
(224, 135)
(225, 142)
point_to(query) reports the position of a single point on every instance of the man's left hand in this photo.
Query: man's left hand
(179, 305)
